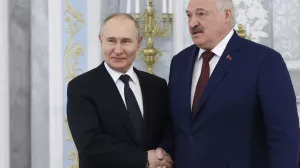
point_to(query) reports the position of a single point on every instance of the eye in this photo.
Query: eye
(126, 41)
(188, 15)
(200, 13)
(110, 40)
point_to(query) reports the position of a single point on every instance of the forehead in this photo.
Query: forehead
(195, 5)
(120, 27)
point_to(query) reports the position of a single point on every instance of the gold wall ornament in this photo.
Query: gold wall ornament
(73, 50)
(74, 21)
(151, 30)
(242, 32)
(74, 154)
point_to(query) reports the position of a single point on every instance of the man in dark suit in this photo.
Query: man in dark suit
(117, 113)
(232, 100)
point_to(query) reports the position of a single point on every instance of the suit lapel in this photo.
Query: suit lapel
(227, 59)
(189, 77)
(113, 94)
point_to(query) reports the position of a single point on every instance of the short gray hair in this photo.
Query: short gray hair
(125, 15)
(222, 5)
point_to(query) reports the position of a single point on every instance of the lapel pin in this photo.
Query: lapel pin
(229, 57)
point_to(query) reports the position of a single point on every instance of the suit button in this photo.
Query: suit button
(191, 137)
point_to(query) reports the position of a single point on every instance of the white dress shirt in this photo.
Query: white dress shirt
(133, 83)
(218, 51)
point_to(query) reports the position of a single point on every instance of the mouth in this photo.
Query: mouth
(118, 58)
(196, 33)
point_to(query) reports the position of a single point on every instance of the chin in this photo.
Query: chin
(120, 67)
(199, 43)
(118, 61)
(198, 39)
(118, 64)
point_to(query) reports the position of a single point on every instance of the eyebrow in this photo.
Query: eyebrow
(197, 9)
(110, 38)
(123, 38)
(126, 38)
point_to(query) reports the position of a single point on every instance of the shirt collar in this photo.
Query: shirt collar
(116, 75)
(220, 48)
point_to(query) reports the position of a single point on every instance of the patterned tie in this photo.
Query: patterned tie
(203, 79)
(133, 109)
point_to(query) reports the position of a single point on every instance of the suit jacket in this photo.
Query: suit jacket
(101, 127)
(246, 116)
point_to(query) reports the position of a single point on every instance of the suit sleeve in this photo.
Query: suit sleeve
(278, 103)
(92, 143)
(167, 140)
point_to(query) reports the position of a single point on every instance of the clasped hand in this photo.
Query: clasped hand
(159, 159)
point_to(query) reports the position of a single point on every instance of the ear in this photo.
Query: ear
(140, 39)
(228, 15)
(100, 39)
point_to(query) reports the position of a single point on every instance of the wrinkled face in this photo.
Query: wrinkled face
(119, 43)
(206, 24)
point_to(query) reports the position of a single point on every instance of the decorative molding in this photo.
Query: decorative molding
(73, 50)
(286, 28)
(55, 84)
(71, 155)
(74, 21)
(4, 87)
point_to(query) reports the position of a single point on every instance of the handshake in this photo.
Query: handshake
(159, 159)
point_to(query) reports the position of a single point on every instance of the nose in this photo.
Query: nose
(193, 22)
(118, 49)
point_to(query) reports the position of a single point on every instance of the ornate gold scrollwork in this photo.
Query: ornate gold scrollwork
(74, 21)
(74, 154)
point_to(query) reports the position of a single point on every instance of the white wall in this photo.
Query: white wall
(4, 89)
(55, 84)
(93, 29)
(178, 18)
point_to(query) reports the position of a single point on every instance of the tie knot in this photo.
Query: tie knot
(207, 55)
(125, 79)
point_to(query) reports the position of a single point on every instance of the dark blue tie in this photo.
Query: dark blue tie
(133, 109)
